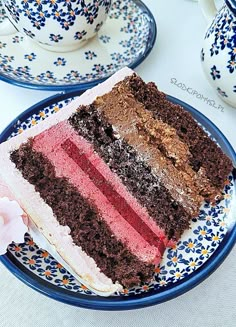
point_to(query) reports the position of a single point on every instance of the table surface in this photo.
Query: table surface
(173, 62)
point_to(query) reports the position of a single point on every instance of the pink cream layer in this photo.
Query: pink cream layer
(74, 158)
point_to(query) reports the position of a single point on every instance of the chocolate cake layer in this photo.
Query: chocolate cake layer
(126, 115)
(159, 145)
(117, 201)
(204, 152)
(88, 230)
(132, 170)
(74, 158)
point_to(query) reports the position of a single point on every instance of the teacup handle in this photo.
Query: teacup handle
(208, 8)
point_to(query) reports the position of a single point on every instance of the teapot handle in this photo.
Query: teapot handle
(208, 8)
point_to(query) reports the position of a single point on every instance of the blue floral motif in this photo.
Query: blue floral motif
(30, 56)
(23, 71)
(49, 74)
(174, 258)
(215, 73)
(32, 262)
(48, 272)
(67, 281)
(38, 24)
(55, 38)
(60, 62)
(2, 14)
(232, 65)
(73, 13)
(105, 39)
(98, 68)
(210, 215)
(216, 238)
(14, 11)
(112, 67)
(162, 282)
(25, 3)
(214, 49)
(192, 264)
(118, 57)
(221, 92)
(57, 266)
(58, 14)
(44, 255)
(98, 27)
(189, 246)
(232, 51)
(90, 55)
(80, 35)
(225, 41)
(2, 45)
(74, 75)
(53, 4)
(7, 59)
(202, 232)
(161, 270)
(205, 251)
(17, 39)
(42, 15)
(65, 24)
(178, 273)
(125, 43)
(30, 243)
(19, 250)
(29, 33)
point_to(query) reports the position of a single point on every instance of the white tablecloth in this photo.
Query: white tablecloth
(174, 62)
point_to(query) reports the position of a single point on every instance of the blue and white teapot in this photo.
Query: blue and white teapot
(218, 54)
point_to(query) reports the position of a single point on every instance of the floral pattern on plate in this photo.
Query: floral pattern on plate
(125, 40)
(195, 247)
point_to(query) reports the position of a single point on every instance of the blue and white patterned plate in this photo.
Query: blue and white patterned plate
(126, 39)
(198, 253)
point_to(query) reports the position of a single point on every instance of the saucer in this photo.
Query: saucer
(198, 253)
(126, 39)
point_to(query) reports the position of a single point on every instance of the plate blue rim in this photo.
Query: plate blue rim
(123, 302)
(84, 86)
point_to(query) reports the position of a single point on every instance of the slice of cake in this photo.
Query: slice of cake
(112, 179)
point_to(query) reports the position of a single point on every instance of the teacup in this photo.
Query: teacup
(56, 25)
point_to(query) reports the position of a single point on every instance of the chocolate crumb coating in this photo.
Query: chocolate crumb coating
(134, 172)
(204, 151)
(88, 230)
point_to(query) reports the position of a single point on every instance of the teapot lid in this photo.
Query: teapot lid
(231, 4)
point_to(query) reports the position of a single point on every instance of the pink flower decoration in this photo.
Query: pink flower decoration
(13, 224)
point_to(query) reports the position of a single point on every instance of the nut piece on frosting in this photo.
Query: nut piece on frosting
(13, 224)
